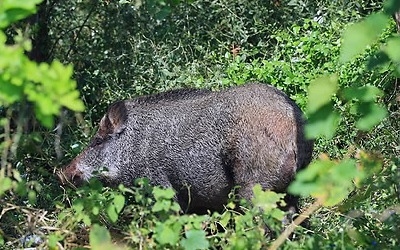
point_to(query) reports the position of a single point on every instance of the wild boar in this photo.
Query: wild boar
(200, 143)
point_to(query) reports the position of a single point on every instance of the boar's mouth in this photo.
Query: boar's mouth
(70, 177)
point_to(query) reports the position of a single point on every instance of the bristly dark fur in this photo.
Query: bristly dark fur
(200, 143)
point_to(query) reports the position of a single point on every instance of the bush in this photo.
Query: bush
(344, 82)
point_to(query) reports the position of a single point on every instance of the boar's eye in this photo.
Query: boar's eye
(96, 141)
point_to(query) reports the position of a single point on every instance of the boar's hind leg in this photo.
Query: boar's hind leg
(271, 167)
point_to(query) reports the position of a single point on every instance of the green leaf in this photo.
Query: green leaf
(32, 196)
(9, 93)
(45, 120)
(53, 239)
(266, 200)
(326, 180)
(163, 193)
(14, 10)
(359, 35)
(95, 210)
(225, 218)
(340, 182)
(167, 233)
(392, 48)
(86, 219)
(5, 185)
(115, 207)
(365, 93)
(195, 239)
(78, 206)
(372, 114)
(71, 101)
(320, 92)
(112, 213)
(99, 236)
(161, 205)
(379, 59)
(119, 202)
(323, 122)
(306, 181)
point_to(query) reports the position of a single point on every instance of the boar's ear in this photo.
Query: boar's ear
(113, 122)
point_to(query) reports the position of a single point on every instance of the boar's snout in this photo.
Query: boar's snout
(70, 175)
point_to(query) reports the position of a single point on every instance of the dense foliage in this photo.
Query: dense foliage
(343, 75)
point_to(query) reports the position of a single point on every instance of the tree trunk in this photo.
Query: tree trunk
(397, 19)
(40, 38)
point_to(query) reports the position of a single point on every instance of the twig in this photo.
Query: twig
(281, 239)
(80, 29)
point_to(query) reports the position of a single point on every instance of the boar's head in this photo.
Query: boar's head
(97, 159)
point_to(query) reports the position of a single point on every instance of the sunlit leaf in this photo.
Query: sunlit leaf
(359, 35)
(32, 196)
(163, 193)
(328, 181)
(9, 93)
(371, 115)
(5, 184)
(320, 92)
(195, 239)
(14, 10)
(167, 234)
(392, 48)
(53, 239)
(365, 93)
(267, 201)
(119, 202)
(95, 210)
(323, 122)
(98, 236)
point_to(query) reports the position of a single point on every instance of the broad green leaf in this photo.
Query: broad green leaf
(5, 185)
(161, 205)
(45, 120)
(371, 115)
(225, 218)
(71, 101)
(392, 48)
(195, 239)
(306, 181)
(339, 182)
(32, 196)
(112, 213)
(95, 210)
(379, 59)
(356, 236)
(119, 202)
(14, 10)
(163, 193)
(365, 93)
(86, 219)
(320, 92)
(326, 180)
(98, 236)
(323, 122)
(78, 206)
(167, 234)
(267, 201)
(359, 35)
(53, 239)
(9, 93)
